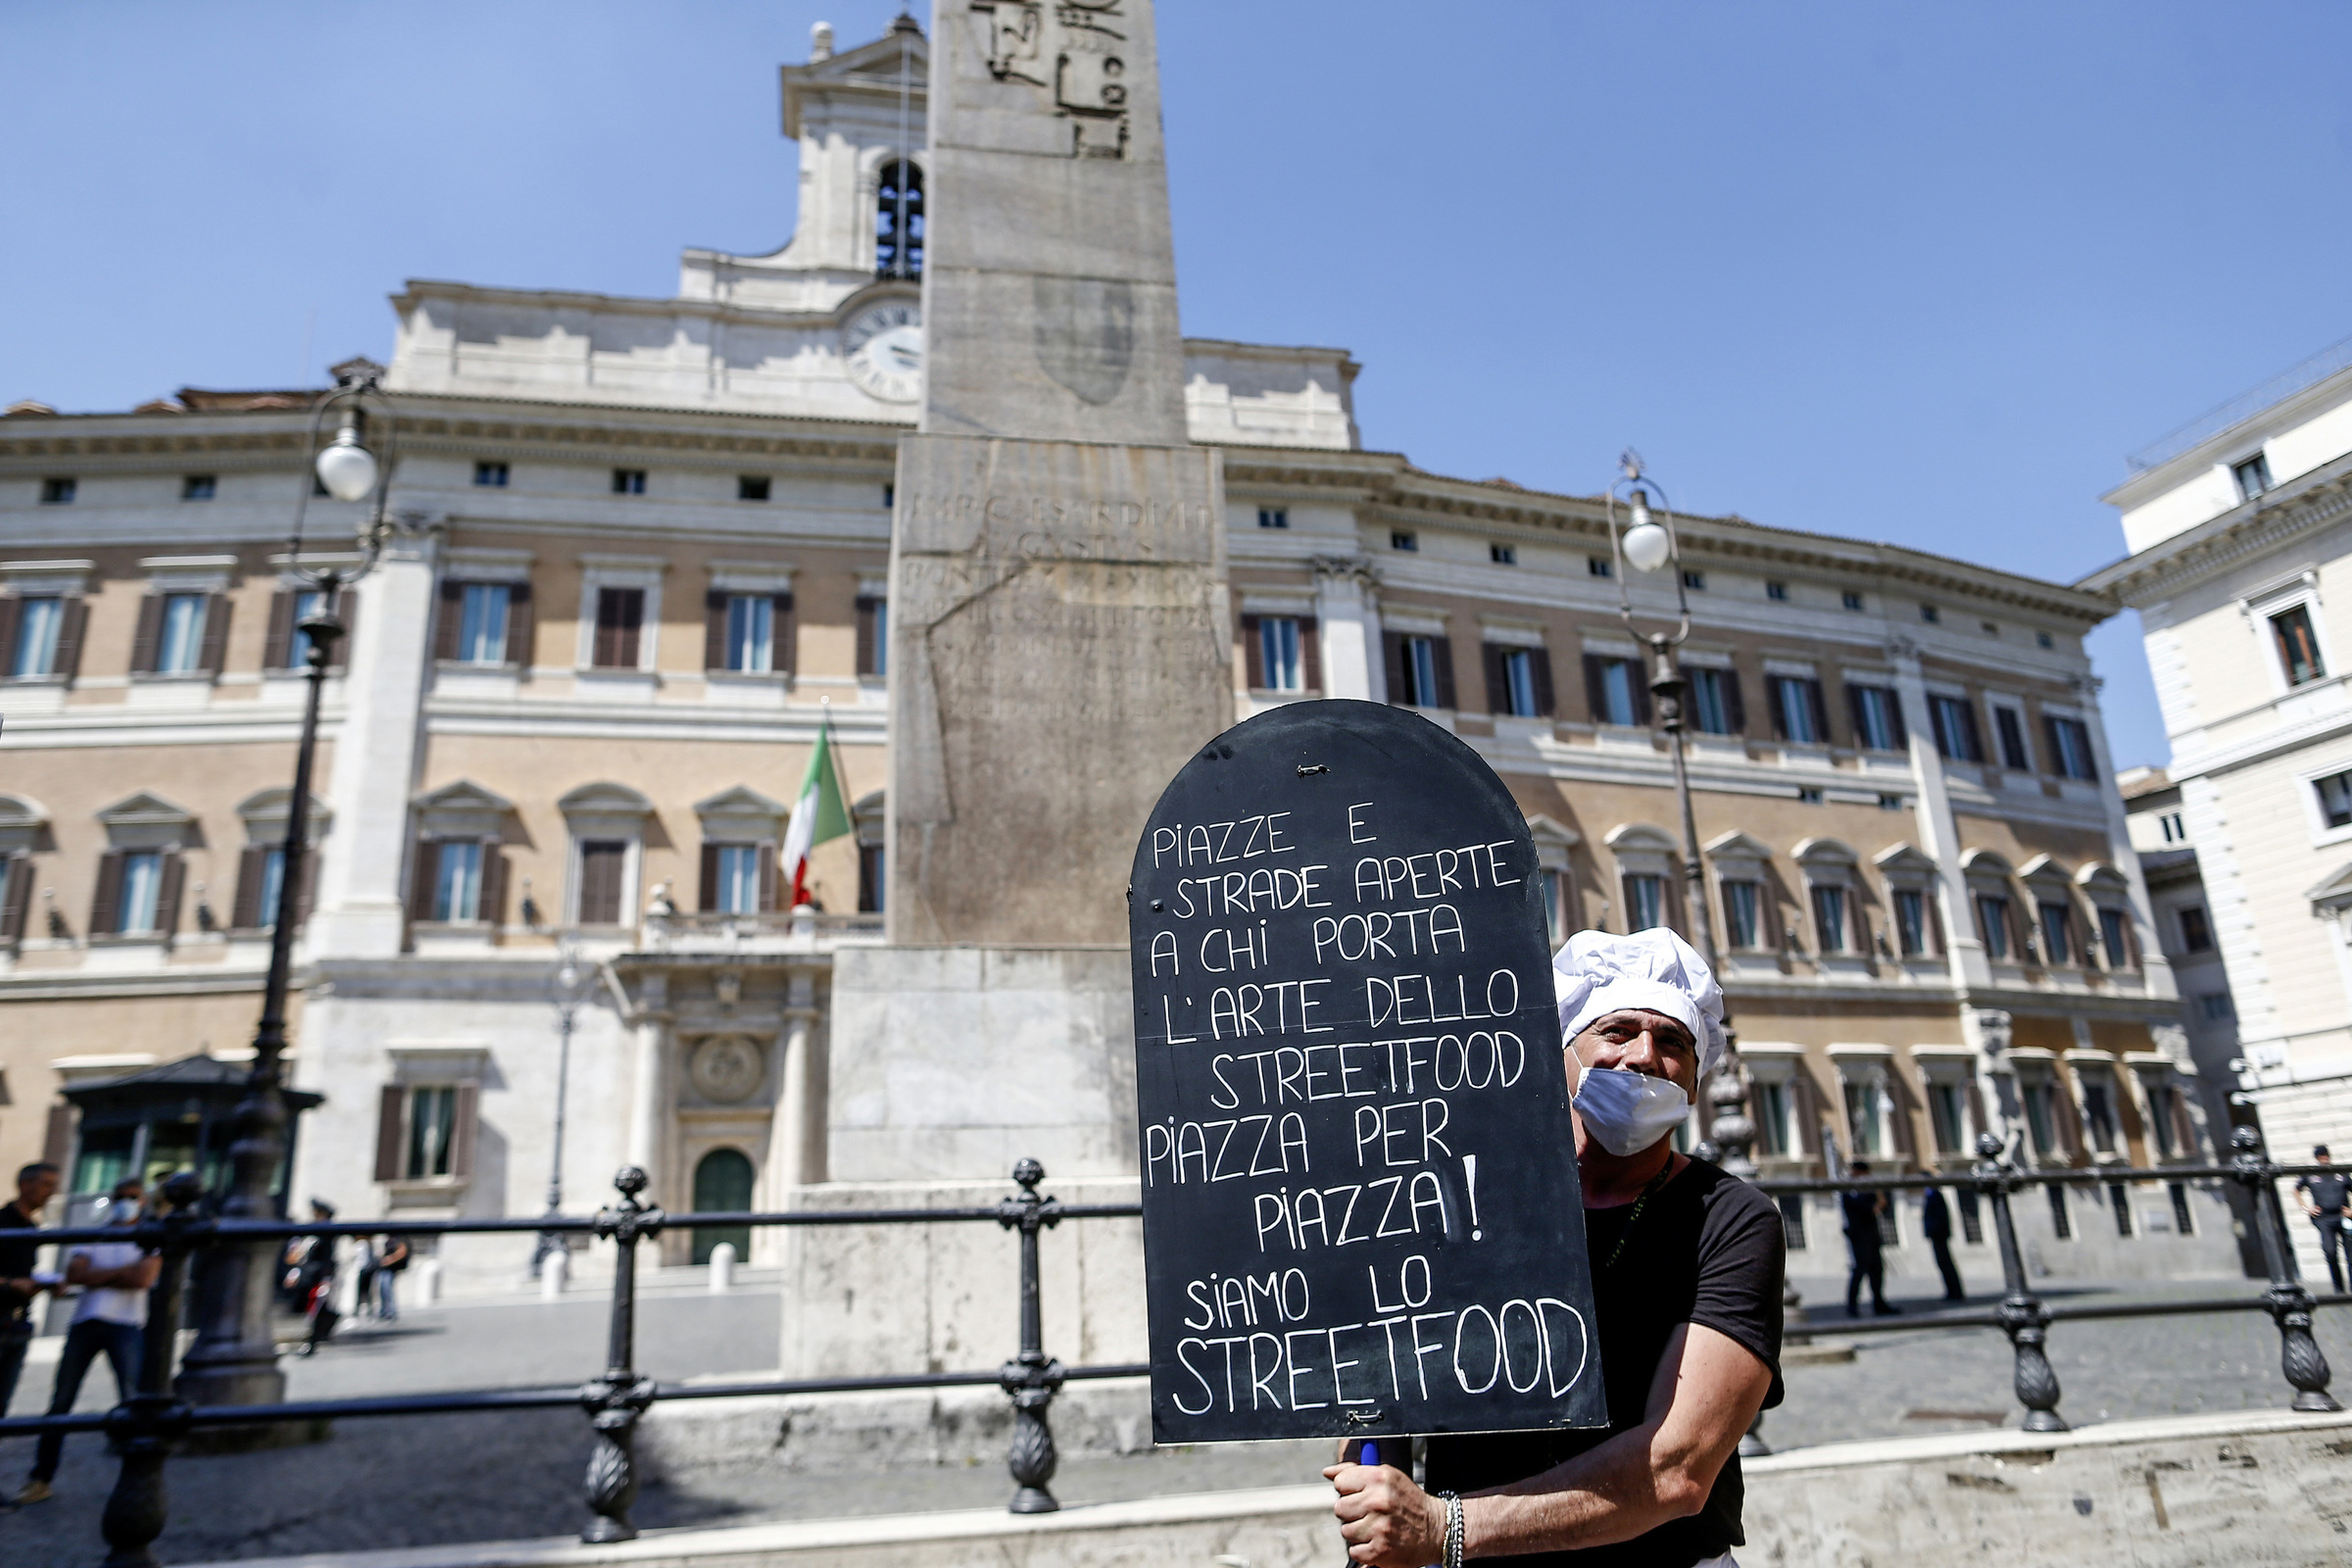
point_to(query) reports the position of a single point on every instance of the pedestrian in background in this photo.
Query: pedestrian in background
(390, 1261)
(20, 1282)
(2328, 1199)
(1866, 1243)
(1935, 1224)
(313, 1280)
(110, 1319)
(363, 1299)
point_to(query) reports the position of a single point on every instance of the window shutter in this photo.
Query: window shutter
(421, 873)
(768, 878)
(786, 653)
(1597, 706)
(865, 635)
(1935, 921)
(10, 609)
(715, 630)
(2053, 757)
(217, 608)
(709, 899)
(167, 895)
(1310, 652)
(601, 864)
(1498, 684)
(1253, 654)
(452, 618)
(17, 902)
(247, 913)
(521, 620)
(460, 1135)
(1539, 661)
(619, 621)
(69, 637)
(1639, 679)
(277, 645)
(57, 1141)
(1776, 698)
(1820, 706)
(1856, 717)
(1974, 737)
(106, 902)
(391, 1106)
(308, 888)
(1441, 653)
(1734, 705)
(150, 631)
(346, 609)
(493, 906)
(1894, 711)
(1392, 653)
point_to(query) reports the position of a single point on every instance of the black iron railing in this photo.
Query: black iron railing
(148, 1424)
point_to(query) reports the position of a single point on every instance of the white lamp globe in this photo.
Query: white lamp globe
(1647, 545)
(347, 469)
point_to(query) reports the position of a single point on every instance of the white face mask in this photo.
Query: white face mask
(1628, 1111)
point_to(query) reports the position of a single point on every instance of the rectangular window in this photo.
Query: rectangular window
(2196, 930)
(1556, 906)
(2298, 646)
(1645, 902)
(39, 621)
(2070, 747)
(180, 638)
(1278, 654)
(2216, 1007)
(2115, 936)
(1911, 921)
(1778, 591)
(1955, 720)
(142, 890)
(457, 880)
(1273, 516)
(751, 487)
(1792, 1219)
(482, 624)
(1600, 566)
(1930, 614)
(738, 890)
(2335, 799)
(2119, 1198)
(628, 481)
(873, 635)
(1772, 1116)
(751, 633)
(1417, 661)
(1519, 683)
(1948, 1112)
(1695, 581)
(2057, 934)
(491, 476)
(1862, 1118)
(1797, 707)
(198, 487)
(1850, 598)
(2183, 1220)
(1714, 701)
(2253, 476)
(1993, 923)
(57, 491)
(2040, 1121)
(2010, 726)
(308, 604)
(1743, 914)
(873, 881)
(2098, 1109)
(1618, 684)
(1403, 539)
(603, 862)
(1503, 555)
(433, 1120)
(1878, 719)
(2164, 1105)
(2176, 831)
(1829, 919)
(620, 617)
(2060, 1220)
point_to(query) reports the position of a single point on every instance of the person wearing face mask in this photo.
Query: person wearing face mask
(1687, 1270)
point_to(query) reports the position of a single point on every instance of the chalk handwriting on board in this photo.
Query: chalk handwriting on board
(1360, 1207)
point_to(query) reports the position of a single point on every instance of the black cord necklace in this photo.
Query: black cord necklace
(1634, 1218)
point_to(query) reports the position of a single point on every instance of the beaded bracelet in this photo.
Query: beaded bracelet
(1453, 1528)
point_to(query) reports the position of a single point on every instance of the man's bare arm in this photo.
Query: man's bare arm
(1706, 1394)
(137, 1276)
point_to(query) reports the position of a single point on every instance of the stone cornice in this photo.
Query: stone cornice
(2216, 546)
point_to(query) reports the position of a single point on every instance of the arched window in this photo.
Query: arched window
(899, 221)
(722, 1185)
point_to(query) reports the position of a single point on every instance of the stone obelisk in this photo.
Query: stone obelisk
(1058, 635)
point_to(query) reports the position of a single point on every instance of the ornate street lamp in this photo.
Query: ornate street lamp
(234, 1359)
(1643, 538)
(569, 988)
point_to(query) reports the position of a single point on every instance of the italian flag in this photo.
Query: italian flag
(818, 816)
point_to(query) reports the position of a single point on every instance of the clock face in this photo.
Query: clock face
(884, 344)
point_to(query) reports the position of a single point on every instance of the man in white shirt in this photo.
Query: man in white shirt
(110, 1318)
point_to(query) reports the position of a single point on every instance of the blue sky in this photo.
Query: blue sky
(1917, 273)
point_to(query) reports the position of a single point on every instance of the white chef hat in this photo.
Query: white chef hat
(1596, 974)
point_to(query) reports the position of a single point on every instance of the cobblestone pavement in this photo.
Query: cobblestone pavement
(402, 1481)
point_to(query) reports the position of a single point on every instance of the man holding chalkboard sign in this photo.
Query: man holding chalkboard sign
(1687, 1270)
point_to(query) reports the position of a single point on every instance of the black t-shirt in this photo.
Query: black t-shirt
(1862, 1218)
(17, 1256)
(2328, 1192)
(1709, 1249)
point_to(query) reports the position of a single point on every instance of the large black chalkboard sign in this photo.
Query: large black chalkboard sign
(1360, 1205)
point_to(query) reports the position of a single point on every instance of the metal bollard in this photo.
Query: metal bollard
(2021, 1313)
(2288, 1302)
(554, 1269)
(147, 1425)
(722, 1268)
(615, 1400)
(1032, 1378)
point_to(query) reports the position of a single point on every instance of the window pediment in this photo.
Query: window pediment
(463, 811)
